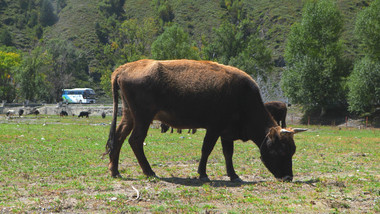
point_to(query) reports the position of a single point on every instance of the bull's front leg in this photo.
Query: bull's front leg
(228, 151)
(207, 147)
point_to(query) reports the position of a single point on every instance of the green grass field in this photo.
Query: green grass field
(52, 164)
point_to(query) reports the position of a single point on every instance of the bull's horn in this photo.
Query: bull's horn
(296, 130)
(285, 131)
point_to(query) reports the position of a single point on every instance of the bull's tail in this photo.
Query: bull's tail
(111, 138)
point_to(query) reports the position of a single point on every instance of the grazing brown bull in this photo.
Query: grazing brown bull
(196, 94)
(278, 111)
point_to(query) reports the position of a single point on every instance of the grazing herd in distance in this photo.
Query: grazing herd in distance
(20, 112)
(277, 109)
(63, 113)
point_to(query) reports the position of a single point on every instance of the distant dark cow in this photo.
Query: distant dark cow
(84, 114)
(189, 94)
(63, 113)
(20, 112)
(165, 128)
(103, 115)
(278, 111)
(35, 112)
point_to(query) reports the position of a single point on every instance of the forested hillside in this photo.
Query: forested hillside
(76, 21)
(97, 36)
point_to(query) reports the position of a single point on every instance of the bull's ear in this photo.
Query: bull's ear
(297, 130)
(274, 134)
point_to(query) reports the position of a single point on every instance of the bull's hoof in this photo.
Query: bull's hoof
(152, 176)
(237, 180)
(204, 179)
(116, 175)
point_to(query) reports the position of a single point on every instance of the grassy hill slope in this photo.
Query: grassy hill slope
(77, 24)
(275, 17)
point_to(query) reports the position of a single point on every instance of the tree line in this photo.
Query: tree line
(317, 74)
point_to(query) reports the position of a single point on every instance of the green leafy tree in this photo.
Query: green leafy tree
(105, 81)
(5, 37)
(240, 46)
(174, 43)
(364, 81)
(60, 5)
(314, 73)
(135, 39)
(101, 33)
(367, 29)
(224, 46)
(38, 31)
(164, 11)
(8, 62)
(364, 85)
(132, 43)
(47, 16)
(23, 4)
(112, 7)
(69, 67)
(33, 19)
(235, 10)
(32, 77)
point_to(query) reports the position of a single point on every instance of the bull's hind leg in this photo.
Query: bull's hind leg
(136, 140)
(207, 147)
(228, 151)
(123, 130)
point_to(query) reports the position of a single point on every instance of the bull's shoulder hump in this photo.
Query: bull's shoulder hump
(200, 67)
(136, 69)
(182, 69)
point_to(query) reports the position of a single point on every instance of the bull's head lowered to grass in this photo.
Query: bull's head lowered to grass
(277, 151)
